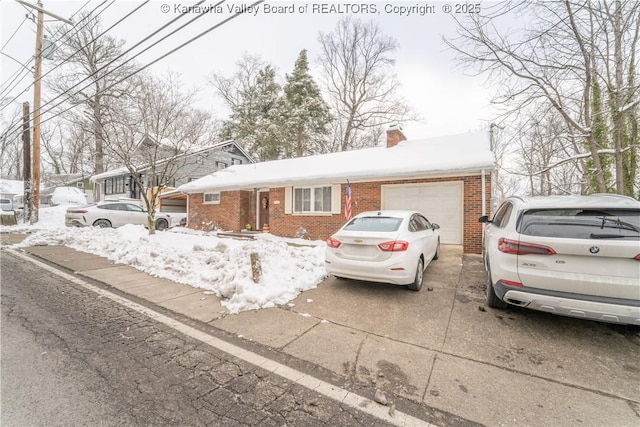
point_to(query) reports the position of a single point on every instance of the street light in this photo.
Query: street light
(35, 159)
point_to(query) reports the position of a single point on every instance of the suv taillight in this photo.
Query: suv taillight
(515, 247)
(637, 257)
(394, 246)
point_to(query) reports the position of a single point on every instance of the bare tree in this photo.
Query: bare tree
(503, 182)
(357, 69)
(231, 88)
(578, 57)
(11, 144)
(90, 66)
(541, 156)
(152, 132)
(65, 148)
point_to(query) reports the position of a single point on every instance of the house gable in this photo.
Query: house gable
(119, 183)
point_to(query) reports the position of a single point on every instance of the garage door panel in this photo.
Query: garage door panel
(440, 203)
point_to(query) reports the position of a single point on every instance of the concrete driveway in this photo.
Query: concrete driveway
(443, 347)
(440, 347)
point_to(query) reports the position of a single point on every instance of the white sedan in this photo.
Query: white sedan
(112, 214)
(384, 246)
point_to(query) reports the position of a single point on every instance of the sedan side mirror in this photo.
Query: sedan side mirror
(484, 219)
(435, 226)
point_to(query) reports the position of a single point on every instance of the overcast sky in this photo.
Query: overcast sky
(449, 101)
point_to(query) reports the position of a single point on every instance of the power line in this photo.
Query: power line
(149, 64)
(96, 38)
(120, 56)
(10, 88)
(168, 53)
(75, 26)
(14, 33)
(14, 76)
(77, 30)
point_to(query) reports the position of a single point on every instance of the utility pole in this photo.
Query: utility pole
(26, 168)
(35, 169)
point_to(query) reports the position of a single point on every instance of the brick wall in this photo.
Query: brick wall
(237, 208)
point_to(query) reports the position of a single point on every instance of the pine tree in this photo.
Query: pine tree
(253, 122)
(304, 114)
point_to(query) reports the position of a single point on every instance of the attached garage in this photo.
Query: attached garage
(440, 202)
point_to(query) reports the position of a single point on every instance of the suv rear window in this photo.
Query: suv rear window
(581, 223)
(374, 223)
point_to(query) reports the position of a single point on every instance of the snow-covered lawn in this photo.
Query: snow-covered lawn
(217, 264)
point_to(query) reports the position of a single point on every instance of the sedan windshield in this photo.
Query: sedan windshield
(582, 223)
(374, 223)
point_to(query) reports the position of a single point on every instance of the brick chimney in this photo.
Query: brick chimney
(394, 136)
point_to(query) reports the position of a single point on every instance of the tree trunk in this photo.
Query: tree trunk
(618, 116)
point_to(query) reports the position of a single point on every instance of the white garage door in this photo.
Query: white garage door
(440, 202)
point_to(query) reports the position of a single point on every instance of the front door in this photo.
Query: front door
(263, 210)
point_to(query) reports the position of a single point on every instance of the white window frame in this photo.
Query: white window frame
(336, 206)
(216, 200)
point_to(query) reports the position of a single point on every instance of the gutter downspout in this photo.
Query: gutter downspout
(484, 203)
(484, 192)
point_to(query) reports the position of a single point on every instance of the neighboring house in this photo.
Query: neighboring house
(11, 193)
(53, 181)
(119, 183)
(448, 179)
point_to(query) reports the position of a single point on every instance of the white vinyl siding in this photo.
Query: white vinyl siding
(440, 202)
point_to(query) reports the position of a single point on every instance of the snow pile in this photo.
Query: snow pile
(203, 260)
(68, 196)
(9, 186)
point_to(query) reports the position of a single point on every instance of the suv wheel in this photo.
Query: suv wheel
(492, 299)
(162, 224)
(102, 223)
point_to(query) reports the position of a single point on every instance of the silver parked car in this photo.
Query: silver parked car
(112, 214)
(576, 256)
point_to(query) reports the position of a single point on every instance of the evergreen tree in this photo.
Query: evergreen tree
(253, 121)
(304, 114)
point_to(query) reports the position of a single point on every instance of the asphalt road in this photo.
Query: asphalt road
(70, 357)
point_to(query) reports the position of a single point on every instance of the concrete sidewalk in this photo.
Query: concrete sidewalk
(439, 346)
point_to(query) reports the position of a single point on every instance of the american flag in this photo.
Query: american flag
(347, 202)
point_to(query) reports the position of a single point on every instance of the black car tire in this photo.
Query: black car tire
(416, 285)
(437, 254)
(162, 224)
(102, 223)
(492, 299)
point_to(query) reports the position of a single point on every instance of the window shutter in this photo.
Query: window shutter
(336, 195)
(288, 200)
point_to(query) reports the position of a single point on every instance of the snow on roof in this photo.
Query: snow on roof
(10, 186)
(464, 153)
(124, 171)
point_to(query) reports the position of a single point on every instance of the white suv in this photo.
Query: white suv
(576, 256)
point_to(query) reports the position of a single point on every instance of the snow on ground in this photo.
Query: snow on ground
(203, 260)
